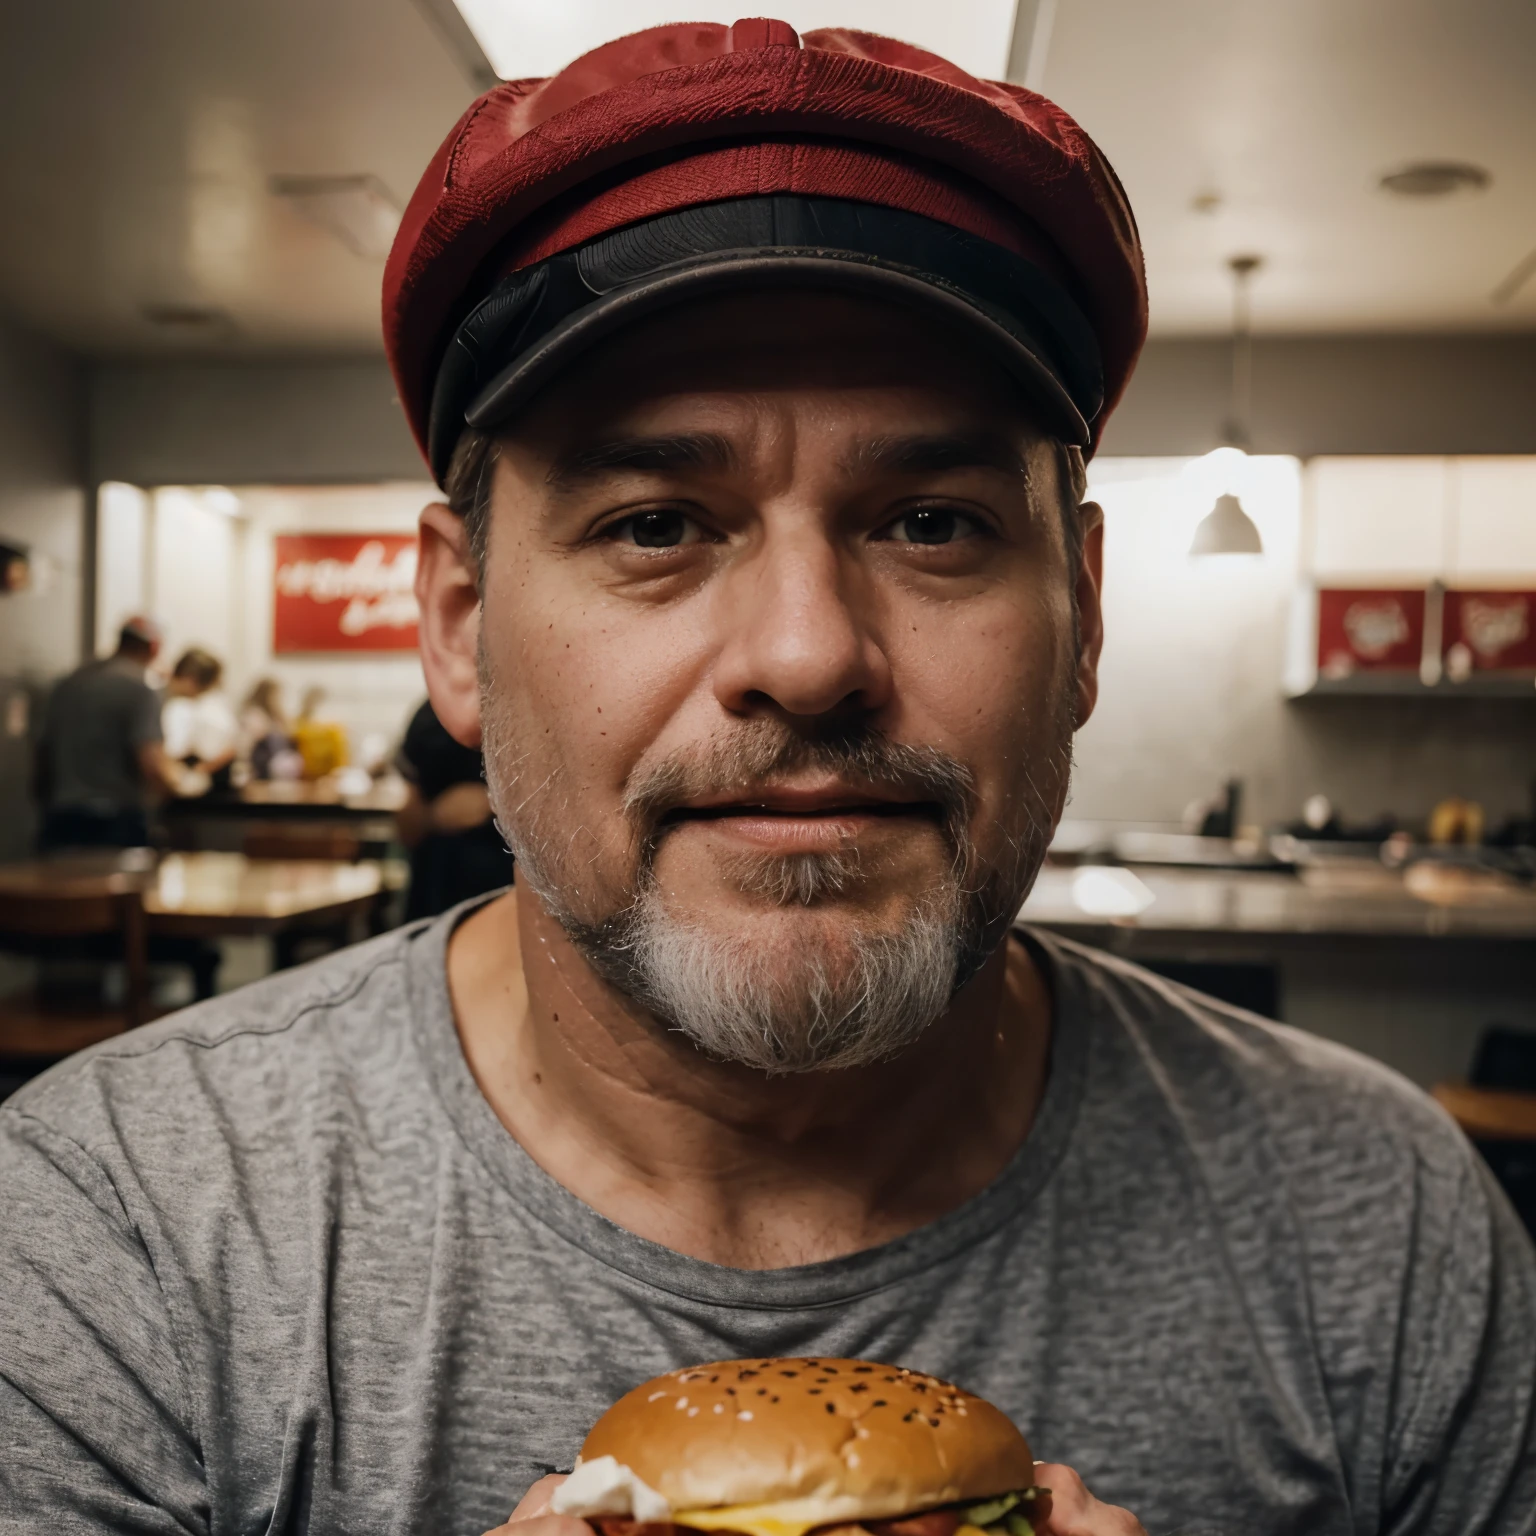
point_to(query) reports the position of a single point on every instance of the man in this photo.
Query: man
(100, 754)
(759, 371)
(446, 822)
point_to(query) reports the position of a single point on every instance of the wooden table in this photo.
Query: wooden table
(206, 895)
(304, 807)
(321, 797)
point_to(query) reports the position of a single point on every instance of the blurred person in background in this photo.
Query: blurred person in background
(456, 850)
(322, 744)
(265, 739)
(200, 729)
(101, 757)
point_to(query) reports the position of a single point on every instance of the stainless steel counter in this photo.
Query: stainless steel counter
(1125, 909)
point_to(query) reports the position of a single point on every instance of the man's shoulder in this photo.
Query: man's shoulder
(1234, 1079)
(104, 679)
(268, 1049)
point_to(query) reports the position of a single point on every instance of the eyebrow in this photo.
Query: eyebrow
(930, 454)
(660, 455)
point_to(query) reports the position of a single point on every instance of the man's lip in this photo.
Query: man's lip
(827, 801)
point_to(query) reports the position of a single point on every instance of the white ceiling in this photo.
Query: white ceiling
(139, 137)
(1289, 111)
(532, 37)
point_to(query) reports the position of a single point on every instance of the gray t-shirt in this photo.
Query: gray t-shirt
(273, 1265)
(97, 719)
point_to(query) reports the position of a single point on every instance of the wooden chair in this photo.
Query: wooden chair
(283, 840)
(1490, 1114)
(36, 1030)
(1501, 1124)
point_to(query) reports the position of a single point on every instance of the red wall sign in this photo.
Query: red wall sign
(344, 592)
(1497, 628)
(1369, 631)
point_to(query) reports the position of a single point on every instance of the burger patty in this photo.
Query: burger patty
(936, 1522)
(1032, 1504)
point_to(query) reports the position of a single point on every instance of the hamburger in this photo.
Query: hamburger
(787, 1447)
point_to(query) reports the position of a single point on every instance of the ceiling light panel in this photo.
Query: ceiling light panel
(358, 210)
(522, 38)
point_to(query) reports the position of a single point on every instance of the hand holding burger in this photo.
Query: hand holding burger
(810, 1447)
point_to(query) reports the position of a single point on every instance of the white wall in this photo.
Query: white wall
(122, 559)
(194, 587)
(1190, 677)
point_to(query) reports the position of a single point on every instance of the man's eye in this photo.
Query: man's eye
(932, 525)
(665, 528)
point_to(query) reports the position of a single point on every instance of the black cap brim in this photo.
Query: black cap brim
(735, 271)
(540, 319)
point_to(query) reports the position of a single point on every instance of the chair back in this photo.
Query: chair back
(82, 907)
(1490, 1114)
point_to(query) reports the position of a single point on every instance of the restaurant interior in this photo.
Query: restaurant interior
(1309, 787)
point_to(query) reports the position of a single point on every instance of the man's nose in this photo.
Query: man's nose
(799, 631)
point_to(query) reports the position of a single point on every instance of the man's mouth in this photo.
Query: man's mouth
(801, 820)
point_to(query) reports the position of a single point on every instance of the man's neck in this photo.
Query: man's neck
(720, 1162)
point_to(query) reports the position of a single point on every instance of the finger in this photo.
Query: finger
(536, 1500)
(1075, 1511)
(542, 1525)
(1070, 1500)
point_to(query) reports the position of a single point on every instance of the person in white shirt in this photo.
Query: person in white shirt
(199, 726)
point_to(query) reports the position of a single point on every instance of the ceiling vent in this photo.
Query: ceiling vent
(1435, 178)
(188, 319)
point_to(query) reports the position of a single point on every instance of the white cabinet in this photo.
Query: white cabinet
(1372, 519)
(1380, 520)
(1493, 521)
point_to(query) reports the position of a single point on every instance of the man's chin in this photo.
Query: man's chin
(857, 884)
(835, 924)
(783, 987)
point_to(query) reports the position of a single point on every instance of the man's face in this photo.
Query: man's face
(779, 668)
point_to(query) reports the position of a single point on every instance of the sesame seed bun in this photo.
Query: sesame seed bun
(820, 1440)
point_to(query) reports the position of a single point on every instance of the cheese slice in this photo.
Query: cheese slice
(754, 1519)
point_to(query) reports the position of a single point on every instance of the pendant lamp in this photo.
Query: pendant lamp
(1226, 529)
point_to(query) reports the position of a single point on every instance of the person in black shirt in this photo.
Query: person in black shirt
(456, 851)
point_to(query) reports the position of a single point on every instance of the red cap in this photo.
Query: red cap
(696, 113)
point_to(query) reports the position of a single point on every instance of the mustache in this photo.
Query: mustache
(751, 757)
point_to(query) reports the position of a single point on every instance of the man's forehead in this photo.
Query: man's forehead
(865, 450)
(860, 376)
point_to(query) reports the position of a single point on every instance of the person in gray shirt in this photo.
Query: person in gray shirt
(774, 612)
(100, 753)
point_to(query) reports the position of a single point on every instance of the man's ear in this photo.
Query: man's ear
(449, 598)
(1090, 609)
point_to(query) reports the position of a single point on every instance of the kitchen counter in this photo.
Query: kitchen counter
(1163, 909)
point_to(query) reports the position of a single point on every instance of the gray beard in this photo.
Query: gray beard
(779, 1008)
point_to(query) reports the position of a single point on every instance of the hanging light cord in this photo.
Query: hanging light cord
(1243, 268)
